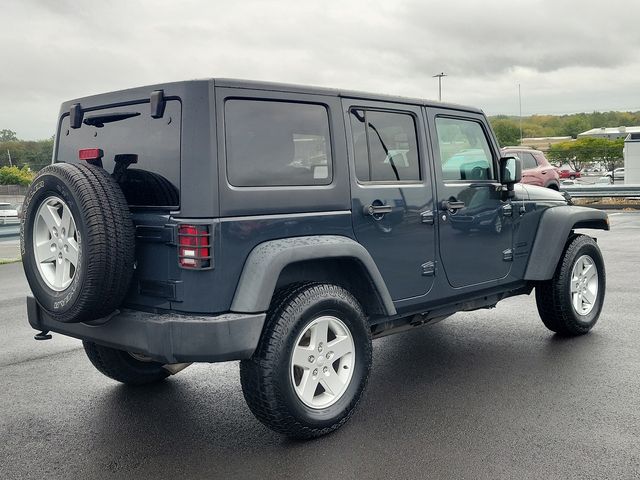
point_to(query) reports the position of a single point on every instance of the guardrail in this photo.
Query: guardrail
(620, 191)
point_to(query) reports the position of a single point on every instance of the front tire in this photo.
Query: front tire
(312, 363)
(124, 367)
(570, 303)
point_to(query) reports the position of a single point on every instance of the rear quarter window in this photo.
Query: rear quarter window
(273, 143)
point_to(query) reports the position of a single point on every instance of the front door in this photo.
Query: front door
(392, 196)
(474, 219)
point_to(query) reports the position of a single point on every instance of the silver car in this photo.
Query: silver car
(8, 214)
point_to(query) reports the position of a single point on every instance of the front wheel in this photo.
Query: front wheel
(570, 303)
(312, 363)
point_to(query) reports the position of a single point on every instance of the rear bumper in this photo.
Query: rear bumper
(167, 338)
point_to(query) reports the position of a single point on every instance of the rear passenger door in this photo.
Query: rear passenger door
(392, 197)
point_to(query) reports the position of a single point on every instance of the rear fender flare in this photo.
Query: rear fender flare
(267, 260)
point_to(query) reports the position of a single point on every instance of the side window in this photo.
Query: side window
(277, 143)
(464, 150)
(385, 146)
(528, 161)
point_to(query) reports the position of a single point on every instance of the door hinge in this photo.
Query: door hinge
(427, 217)
(507, 255)
(507, 210)
(428, 268)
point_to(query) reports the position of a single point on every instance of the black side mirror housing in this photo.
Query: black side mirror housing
(510, 171)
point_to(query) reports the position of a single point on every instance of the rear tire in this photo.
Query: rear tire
(305, 388)
(570, 303)
(123, 366)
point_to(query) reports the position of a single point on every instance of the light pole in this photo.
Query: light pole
(440, 75)
(520, 117)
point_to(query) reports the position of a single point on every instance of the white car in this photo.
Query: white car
(617, 174)
(8, 214)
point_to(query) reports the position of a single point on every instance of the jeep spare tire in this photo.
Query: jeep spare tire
(77, 242)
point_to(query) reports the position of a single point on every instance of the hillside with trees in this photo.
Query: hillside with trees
(507, 128)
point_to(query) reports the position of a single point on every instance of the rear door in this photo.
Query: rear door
(143, 154)
(474, 220)
(392, 197)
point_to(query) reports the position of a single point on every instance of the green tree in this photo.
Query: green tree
(15, 176)
(7, 135)
(584, 151)
(507, 131)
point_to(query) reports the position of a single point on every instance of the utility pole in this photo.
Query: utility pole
(9, 155)
(520, 104)
(440, 75)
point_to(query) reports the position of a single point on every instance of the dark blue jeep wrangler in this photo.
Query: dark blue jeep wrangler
(287, 226)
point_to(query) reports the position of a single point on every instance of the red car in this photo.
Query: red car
(566, 172)
(536, 169)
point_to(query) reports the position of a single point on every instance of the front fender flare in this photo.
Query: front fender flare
(554, 229)
(265, 262)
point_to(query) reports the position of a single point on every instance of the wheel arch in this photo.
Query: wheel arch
(555, 228)
(326, 258)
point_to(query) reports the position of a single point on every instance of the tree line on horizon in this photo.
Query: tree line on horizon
(507, 128)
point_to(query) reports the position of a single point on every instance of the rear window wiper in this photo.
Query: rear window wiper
(99, 120)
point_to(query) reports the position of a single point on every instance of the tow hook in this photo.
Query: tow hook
(174, 368)
(43, 335)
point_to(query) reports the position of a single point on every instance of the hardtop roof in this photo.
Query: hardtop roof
(183, 86)
(312, 90)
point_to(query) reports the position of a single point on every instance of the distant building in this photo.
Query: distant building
(610, 133)
(543, 143)
(632, 159)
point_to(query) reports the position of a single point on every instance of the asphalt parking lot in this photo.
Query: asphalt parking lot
(487, 394)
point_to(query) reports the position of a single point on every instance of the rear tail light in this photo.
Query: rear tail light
(194, 246)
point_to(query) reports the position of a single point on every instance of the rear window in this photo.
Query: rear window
(153, 181)
(277, 143)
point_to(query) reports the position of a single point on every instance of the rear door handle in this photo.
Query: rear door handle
(452, 205)
(375, 210)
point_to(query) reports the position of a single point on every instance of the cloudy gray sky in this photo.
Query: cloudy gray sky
(569, 56)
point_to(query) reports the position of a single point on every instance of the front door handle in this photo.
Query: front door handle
(452, 205)
(377, 210)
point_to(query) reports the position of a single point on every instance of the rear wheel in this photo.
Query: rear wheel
(125, 367)
(312, 364)
(570, 303)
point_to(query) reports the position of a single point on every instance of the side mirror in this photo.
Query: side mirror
(510, 171)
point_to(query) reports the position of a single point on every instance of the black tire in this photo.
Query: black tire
(106, 242)
(122, 366)
(266, 379)
(553, 297)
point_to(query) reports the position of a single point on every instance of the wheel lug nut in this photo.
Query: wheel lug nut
(315, 372)
(329, 355)
(311, 358)
(325, 369)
